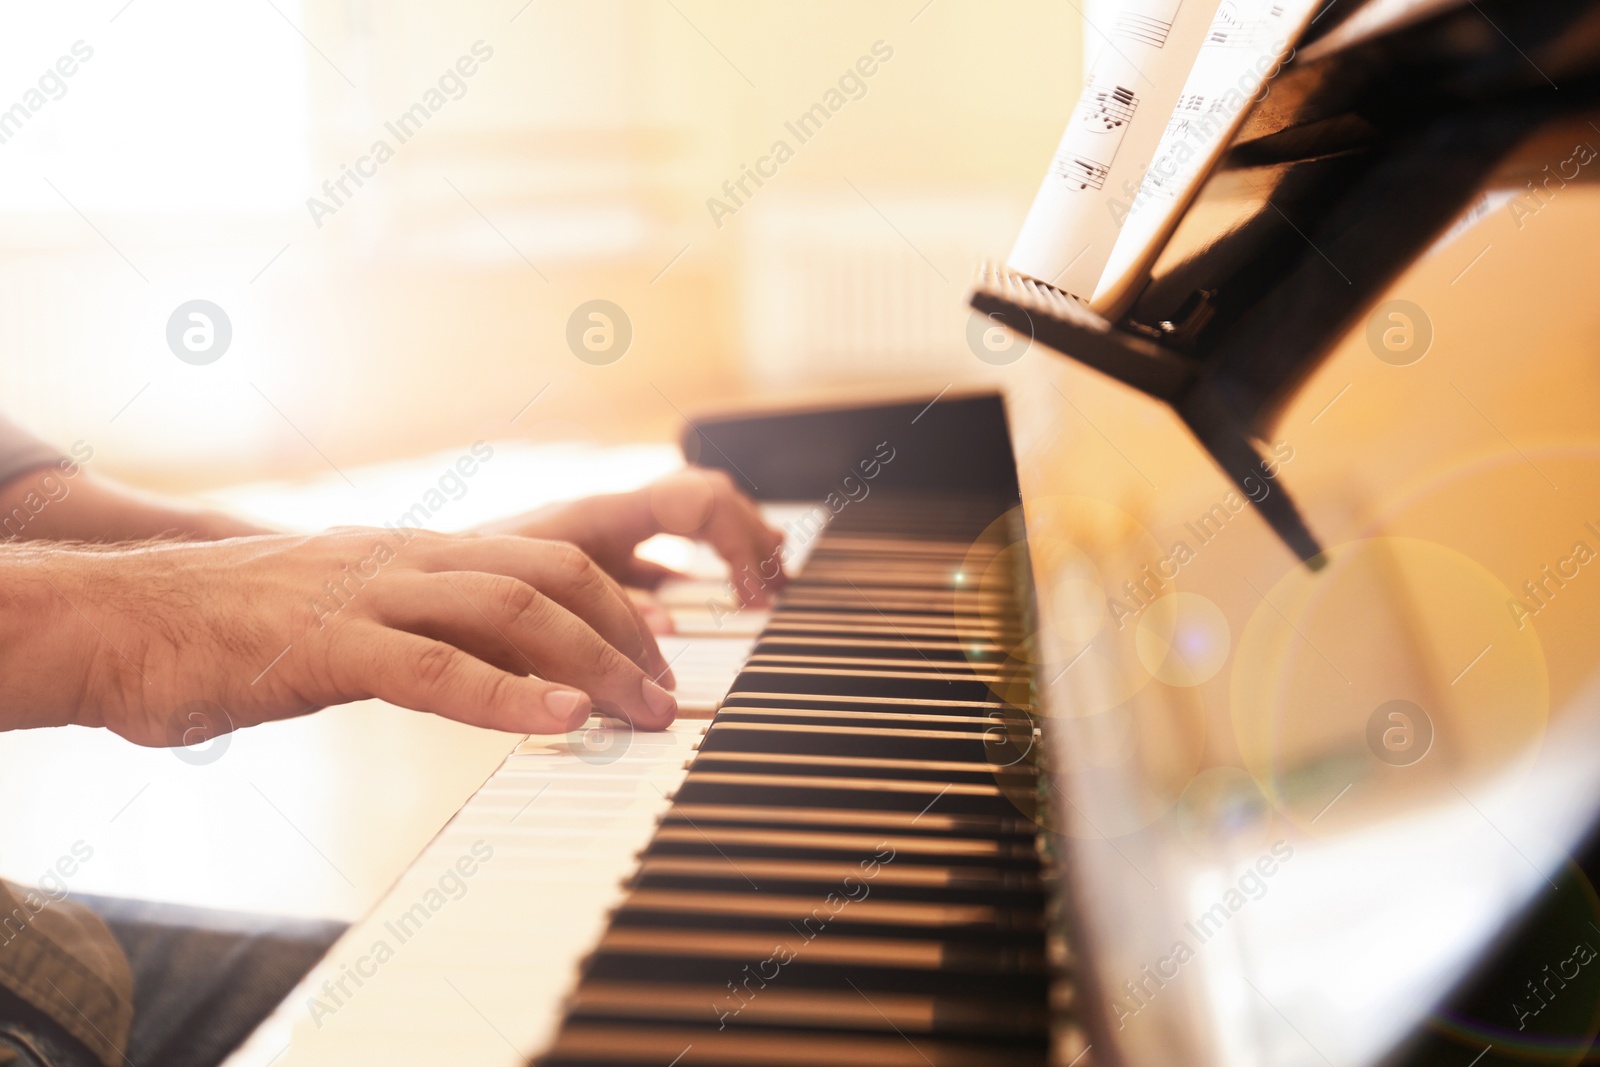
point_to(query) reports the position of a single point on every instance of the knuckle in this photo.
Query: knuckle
(499, 690)
(595, 656)
(610, 663)
(513, 599)
(570, 558)
(587, 576)
(576, 562)
(435, 664)
(590, 576)
(620, 617)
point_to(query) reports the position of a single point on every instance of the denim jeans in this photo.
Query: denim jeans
(202, 981)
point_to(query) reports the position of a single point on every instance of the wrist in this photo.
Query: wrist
(219, 526)
(47, 645)
(47, 505)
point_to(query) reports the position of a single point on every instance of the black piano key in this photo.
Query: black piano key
(902, 544)
(870, 918)
(886, 770)
(832, 845)
(734, 1046)
(949, 668)
(668, 966)
(992, 743)
(755, 698)
(851, 717)
(864, 821)
(918, 918)
(888, 625)
(896, 647)
(950, 884)
(877, 575)
(908, 965)
(967, 1016)
(958, 798)
(799, 722)
(919, 686)
(848, 599)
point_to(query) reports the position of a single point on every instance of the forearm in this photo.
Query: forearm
(63, 502)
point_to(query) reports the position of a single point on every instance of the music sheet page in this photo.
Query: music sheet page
(1171, 86)
(1247, 42)
(1113, 134)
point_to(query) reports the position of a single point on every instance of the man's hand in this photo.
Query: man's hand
(698, 503)
(503, 632)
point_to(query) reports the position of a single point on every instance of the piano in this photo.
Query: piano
(1068, 744)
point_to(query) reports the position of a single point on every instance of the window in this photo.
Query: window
(169, 106)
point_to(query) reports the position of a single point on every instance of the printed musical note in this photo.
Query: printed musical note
(1228, 19)
(1166, 187)
(1107, 110)
(1241, 41)
(1117, 135)
(1143, 28)
(1231, 29)
(1227, 23)
(1190, 106)
(1082, 173)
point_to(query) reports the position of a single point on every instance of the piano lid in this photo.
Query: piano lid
(1301, 806)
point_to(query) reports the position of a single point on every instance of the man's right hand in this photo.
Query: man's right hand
(503, 632)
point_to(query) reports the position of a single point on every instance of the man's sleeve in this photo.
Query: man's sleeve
(21, 452)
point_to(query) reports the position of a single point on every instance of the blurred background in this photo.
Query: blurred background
(430, 304)
(594, 153)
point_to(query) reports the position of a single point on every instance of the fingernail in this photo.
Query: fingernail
(658, 700)
(568, 706)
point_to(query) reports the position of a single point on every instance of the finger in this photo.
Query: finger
(707, 505)
(725, 528)
(426, 675)
(682, 502)
(409, 601)
(768, 542)
(562, 573)
(659, 619)
(646, 574)
(747, 517)
(739, 535)
(546, 637)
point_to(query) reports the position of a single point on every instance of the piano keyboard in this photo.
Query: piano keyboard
(845, 873)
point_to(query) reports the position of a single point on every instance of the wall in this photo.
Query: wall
(431, 304)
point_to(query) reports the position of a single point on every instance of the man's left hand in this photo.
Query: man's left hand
(698, 503)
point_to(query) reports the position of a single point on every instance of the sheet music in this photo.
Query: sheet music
(1147, 28)
(1247, 42)
(1113, 134)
